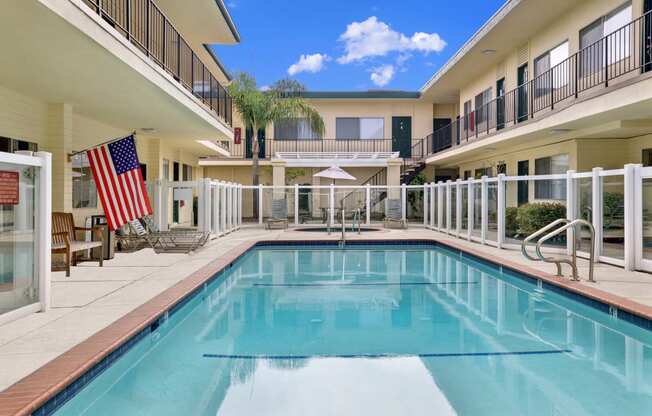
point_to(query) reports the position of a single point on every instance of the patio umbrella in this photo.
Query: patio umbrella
(335, 172)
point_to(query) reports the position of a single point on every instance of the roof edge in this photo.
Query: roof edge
(471, 42)
(229, 20)
(218, 62)
(380, 94)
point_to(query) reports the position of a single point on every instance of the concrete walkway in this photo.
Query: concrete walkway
(93, 297)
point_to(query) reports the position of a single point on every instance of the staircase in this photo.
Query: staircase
(377, 179)
(410, 169)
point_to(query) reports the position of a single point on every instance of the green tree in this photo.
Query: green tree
(260, 108)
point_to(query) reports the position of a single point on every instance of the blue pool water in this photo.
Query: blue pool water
(384, 330)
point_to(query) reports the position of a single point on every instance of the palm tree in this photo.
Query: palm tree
(260, 108)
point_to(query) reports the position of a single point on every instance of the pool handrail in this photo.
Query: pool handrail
(573, 261)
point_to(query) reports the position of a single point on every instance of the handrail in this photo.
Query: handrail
(624, 50)
(568, 224)
(356, 220)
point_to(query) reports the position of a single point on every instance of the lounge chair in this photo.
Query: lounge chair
(64, 239)
(394, 216)
(176, 241)
(279, 218)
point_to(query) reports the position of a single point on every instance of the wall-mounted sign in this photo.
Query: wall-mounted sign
(237, 135)
(8, 187)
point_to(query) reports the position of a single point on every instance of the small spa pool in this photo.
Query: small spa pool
(335, 228)
(377, 330)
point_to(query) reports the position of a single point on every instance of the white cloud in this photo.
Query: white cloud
(375, 38)
(382, 75)
(308, 63)
(265, 88)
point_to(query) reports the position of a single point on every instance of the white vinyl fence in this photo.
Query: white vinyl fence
(207, 205)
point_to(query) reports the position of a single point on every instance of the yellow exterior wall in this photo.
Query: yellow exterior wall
(566, 27)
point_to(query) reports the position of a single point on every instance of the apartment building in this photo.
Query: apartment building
(542, 90)
(77, 73)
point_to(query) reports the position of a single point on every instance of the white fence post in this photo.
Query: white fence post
(368, 203)
(331, 205)
(223, 208)
(165, 204)
(426, 208)
(433, 204)
(239, 206)
(260, 204)
(296, 204)
(155, 200)
(458, 207)
(449, 211)
(596, 210)
(630, 214)
(440, 204)
(44, 224)
(500, 238)
(215, 211)
(484, 198)
(403, 202)
(571, 213)
(470, 209)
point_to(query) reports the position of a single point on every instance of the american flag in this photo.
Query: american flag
(119, 181)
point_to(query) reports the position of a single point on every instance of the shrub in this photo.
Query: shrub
(613, 210)
(532, 217)
(511, 223)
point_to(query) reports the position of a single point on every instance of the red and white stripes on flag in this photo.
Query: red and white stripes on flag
(119, 181)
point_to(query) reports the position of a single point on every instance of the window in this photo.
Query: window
(293, 129)
(555, 188)
(468, 121)
(467, 174)
(12, 145)
(84, 193)
(647, 157)
(166, 170)
(480, 110)
(592, 54)
(359, 128)
(479, 173)
(187, 172)
(175, 172)
(501, 167)
(559, 75)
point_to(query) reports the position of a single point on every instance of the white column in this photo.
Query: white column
(485, 209)
(596, 210)
(156, 203)
(458, 208)
(260, 204)
(368, 204)
(501, 210)
(449, 211)
(630, 214)
(44, 228)
(296, 204)
(471, 208)
(571, 210)
(403, 202)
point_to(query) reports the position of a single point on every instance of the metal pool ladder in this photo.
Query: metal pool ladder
(559, 260)
(356, 220)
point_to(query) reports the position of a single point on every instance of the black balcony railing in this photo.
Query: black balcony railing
(143, 23)
(269, 147)
(626, 51)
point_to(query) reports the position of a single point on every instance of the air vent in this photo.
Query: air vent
(524, 54)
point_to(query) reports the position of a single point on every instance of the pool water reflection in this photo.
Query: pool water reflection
(379, 330)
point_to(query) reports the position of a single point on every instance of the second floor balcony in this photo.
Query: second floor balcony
(144, 24)
(269, 148)
(617, 59)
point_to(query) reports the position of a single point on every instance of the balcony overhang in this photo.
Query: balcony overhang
(71, 55)
(342, 159)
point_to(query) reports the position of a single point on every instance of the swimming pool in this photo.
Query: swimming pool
(379, 330)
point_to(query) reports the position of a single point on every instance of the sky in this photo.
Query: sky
(350, 45)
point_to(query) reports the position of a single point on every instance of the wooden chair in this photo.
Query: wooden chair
(64, 239)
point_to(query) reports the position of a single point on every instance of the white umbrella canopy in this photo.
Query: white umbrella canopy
(335, 172)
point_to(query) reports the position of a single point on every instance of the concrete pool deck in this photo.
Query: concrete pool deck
(94, 298)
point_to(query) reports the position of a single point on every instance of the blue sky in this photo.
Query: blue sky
(350, 45)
